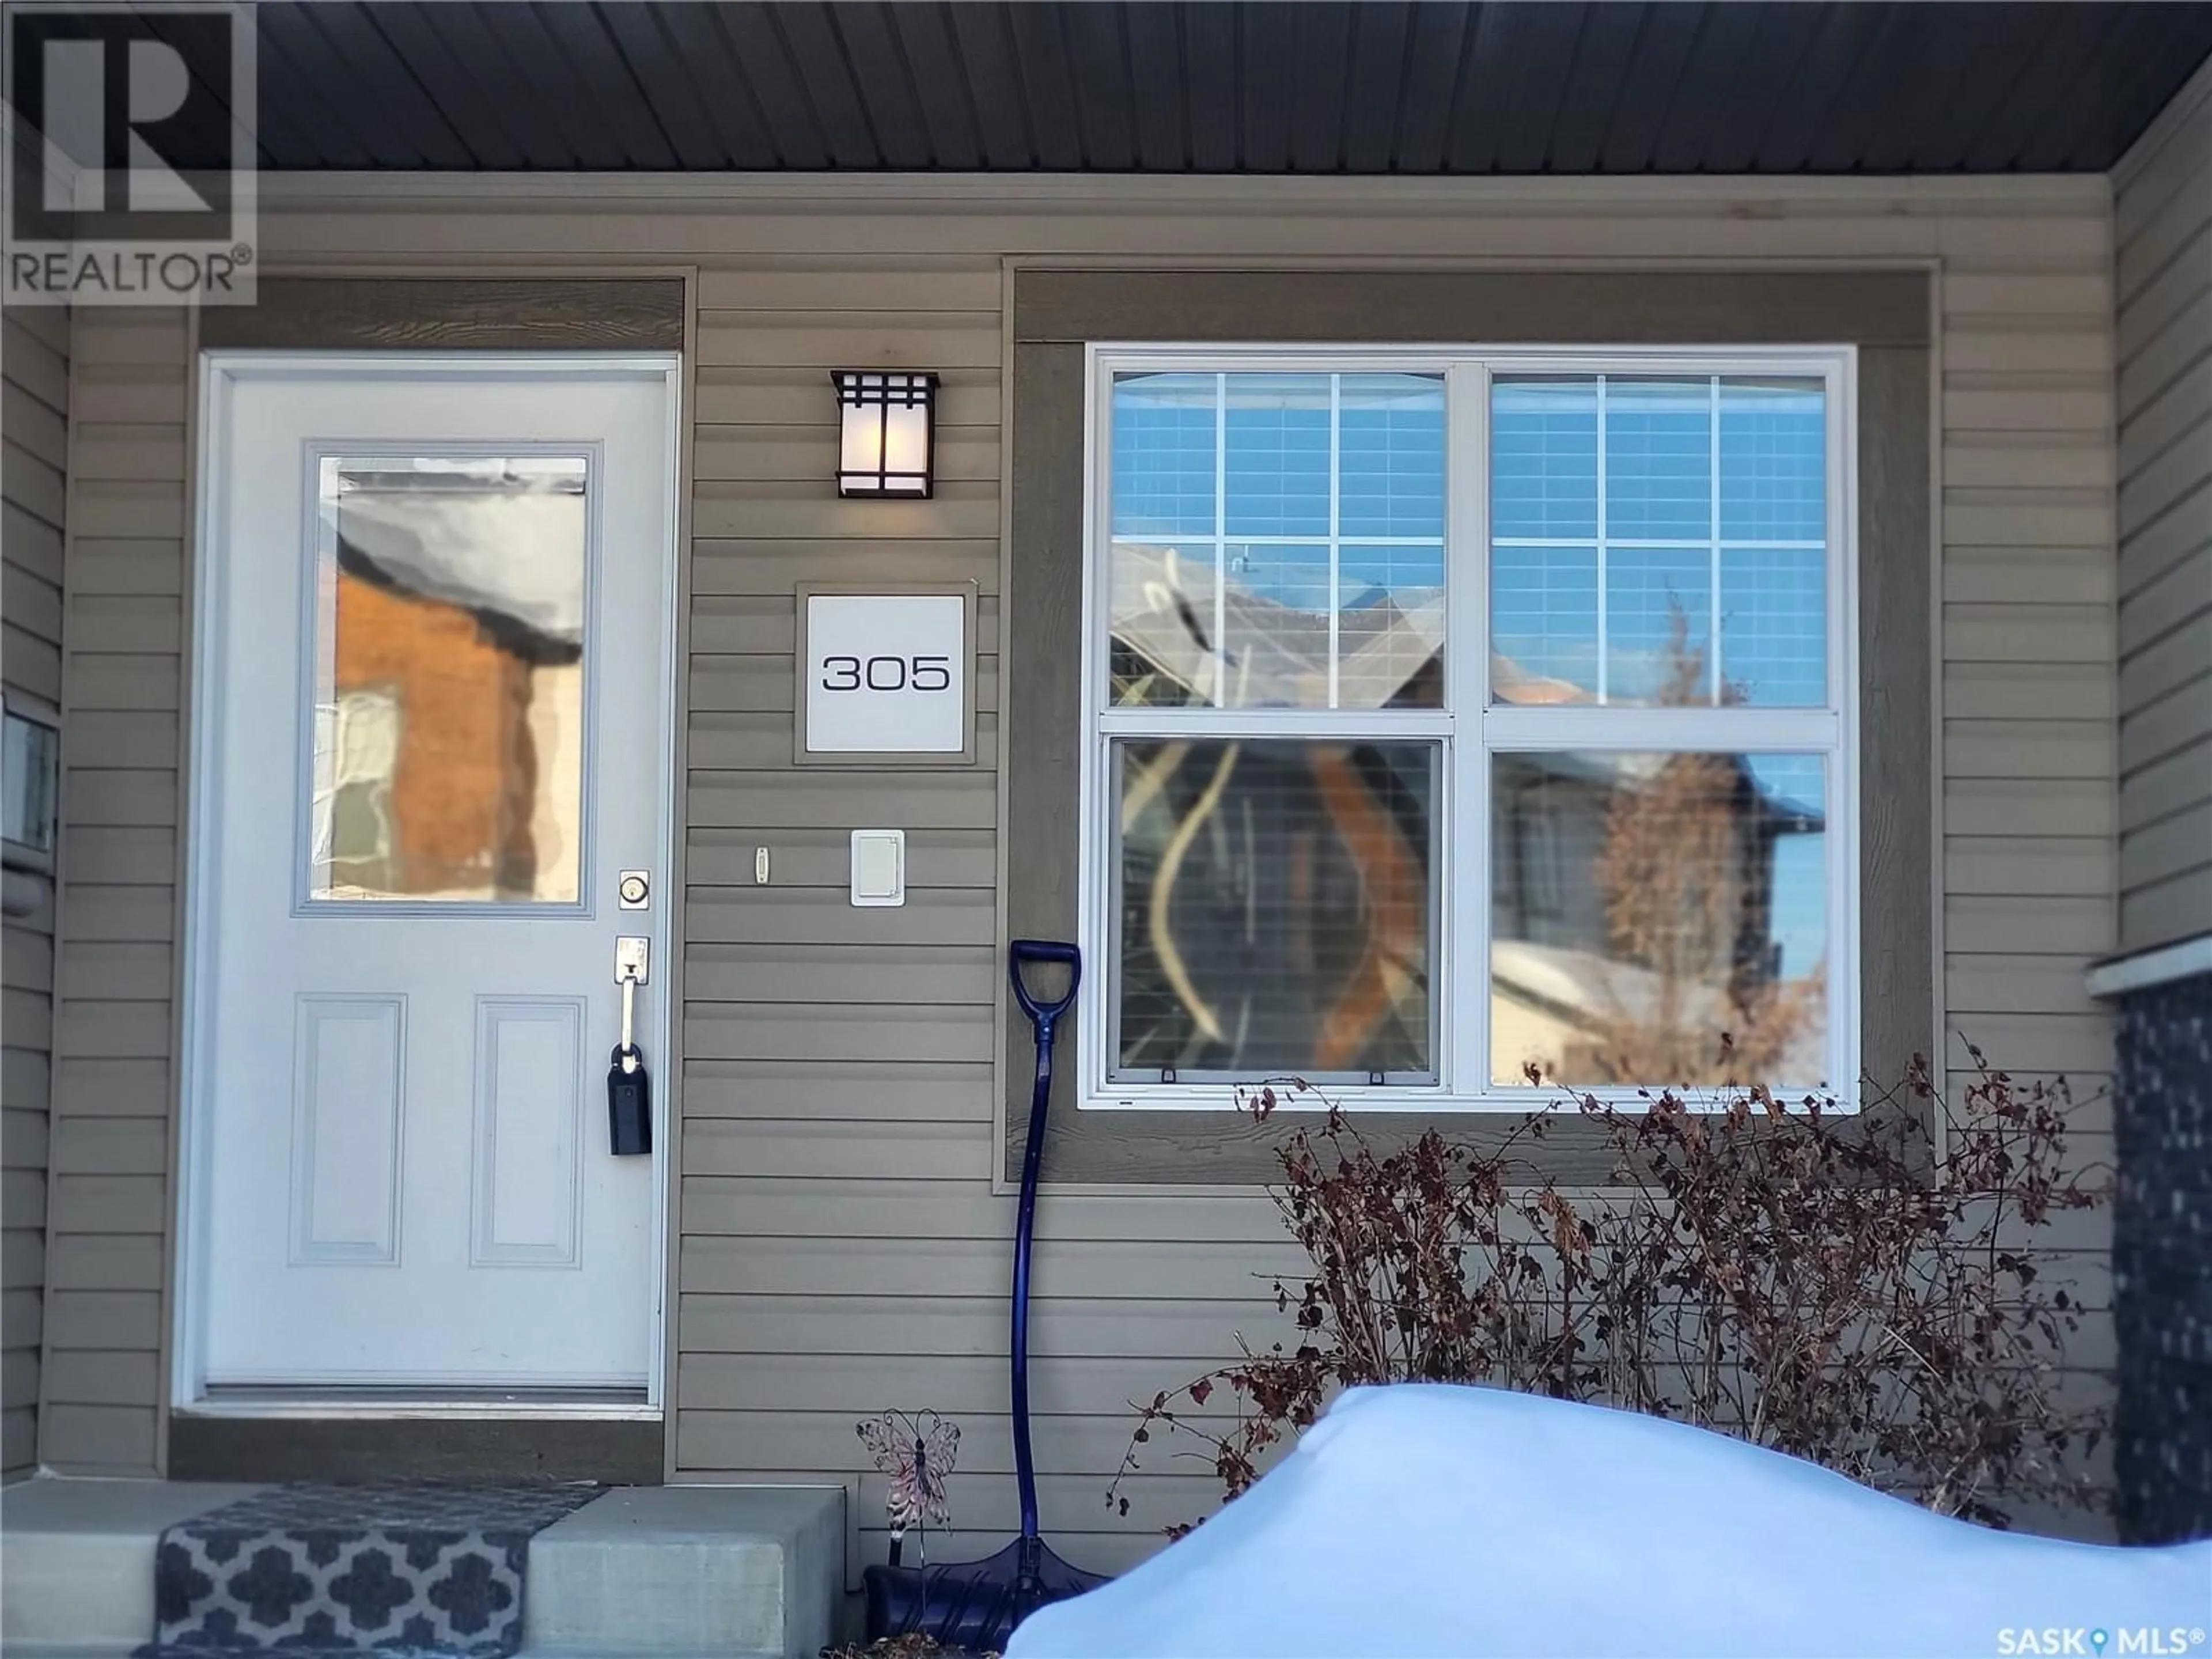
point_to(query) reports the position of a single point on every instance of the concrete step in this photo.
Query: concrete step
(77, 1561)
(737, 1572)
(641, 1572)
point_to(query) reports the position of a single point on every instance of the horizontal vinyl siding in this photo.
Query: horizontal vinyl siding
(841, 1250)
(2027, 698)
(2163, 262)
(114, 1029)
(33, 471)
(837, 1213)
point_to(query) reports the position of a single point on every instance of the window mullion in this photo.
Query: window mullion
(1335, 552)
(1601, 541)
(1462, 996)
(1221, 540)
(1713, 524)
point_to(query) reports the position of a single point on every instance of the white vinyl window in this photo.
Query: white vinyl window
(1451, 712)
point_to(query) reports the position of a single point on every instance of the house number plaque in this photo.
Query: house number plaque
(887, 675)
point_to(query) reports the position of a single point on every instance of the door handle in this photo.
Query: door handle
(630, 1085)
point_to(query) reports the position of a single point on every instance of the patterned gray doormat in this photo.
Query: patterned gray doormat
(422, 1567)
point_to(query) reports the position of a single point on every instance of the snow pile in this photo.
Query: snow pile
(1426, 1519)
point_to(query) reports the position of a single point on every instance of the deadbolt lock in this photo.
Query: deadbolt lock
(633, 889)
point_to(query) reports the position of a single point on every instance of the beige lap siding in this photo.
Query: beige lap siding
(2027, 701)
(33, 470)
(114, 1032)
(2026, 698)
(843, 1249)
(2163, 261)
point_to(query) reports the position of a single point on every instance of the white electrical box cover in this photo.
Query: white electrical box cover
(878, 866)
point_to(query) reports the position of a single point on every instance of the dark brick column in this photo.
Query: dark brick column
(2162, 1262)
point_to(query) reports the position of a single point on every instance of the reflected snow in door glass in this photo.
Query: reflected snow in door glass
(449, 691)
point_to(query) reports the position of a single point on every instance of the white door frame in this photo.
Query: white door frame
(219, 371)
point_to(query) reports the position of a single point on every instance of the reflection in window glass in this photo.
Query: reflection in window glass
(1658, 622)
(1641, 903)
(1774, 467)
(1390, 461)
(1659, 459)
(1774, 626)
(1166, 621)
(1164, 445)
(1543, 624)
(1314, 578)
(1543, 445)
(1274, 625)
(449, 729)
(1390, 626)
(1275, 471)
(1273, 903)
(1623, 600)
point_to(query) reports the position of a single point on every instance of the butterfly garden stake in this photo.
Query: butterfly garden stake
(916, 1453)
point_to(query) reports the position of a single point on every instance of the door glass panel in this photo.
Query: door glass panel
(449, 689)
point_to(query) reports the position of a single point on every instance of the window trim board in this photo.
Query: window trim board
(1885, 313)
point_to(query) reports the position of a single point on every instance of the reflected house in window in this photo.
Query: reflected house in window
(450, 703)
(1642, 902)
(1276, 896)
(1265, 640)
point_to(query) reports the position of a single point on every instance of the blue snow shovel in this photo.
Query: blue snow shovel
(976, 1604)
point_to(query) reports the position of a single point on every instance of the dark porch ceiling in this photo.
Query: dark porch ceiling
(1374, 87)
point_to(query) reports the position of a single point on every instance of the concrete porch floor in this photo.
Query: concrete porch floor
(736, 1572)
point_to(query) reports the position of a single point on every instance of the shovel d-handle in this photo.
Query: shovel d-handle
(1043, 1016)
(1042, 1013)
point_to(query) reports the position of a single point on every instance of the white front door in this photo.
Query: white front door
(432, 734)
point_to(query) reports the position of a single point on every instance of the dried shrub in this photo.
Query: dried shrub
(900, 1647)
(1848, 1288)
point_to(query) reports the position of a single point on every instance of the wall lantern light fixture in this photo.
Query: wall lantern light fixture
(888, 442)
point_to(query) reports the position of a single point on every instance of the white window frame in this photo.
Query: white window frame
(1468, 727)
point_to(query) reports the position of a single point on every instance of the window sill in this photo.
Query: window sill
(1364, 1102)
